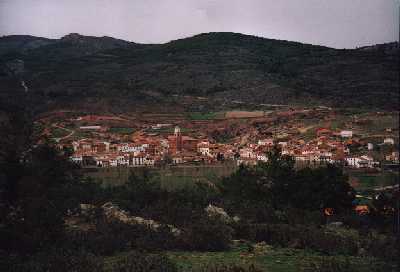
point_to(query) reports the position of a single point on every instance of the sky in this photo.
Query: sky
(334, 23)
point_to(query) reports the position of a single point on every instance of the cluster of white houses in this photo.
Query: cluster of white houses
(177, 149)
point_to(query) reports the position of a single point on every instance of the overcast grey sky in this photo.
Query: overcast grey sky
(335, 23)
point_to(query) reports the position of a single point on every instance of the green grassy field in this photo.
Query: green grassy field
(270, 259)
(171, 178)
(59, 133)
(79, 134)
(370, 181)
(122, 130)
(168, 130)
(204, 116)
(274, 260)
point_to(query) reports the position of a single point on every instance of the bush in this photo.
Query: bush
(100, 243)
(112, 237)
(208, 234)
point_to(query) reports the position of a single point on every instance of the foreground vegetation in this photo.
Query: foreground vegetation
(270, 217)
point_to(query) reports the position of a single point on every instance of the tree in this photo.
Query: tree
(36, 183)
(139, 192)
(41, 198)
(209, 234)
(383, 209)
(276, 185)
(279, 171)
(267, 182)
(320, 188)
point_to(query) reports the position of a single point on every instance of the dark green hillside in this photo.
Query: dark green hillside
(21, 44)
(105, 72)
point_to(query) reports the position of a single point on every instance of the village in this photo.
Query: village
(311, 136)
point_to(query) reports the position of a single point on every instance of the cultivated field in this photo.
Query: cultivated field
(171, 178)
(244, 114)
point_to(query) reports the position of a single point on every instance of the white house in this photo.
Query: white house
(361, 162)
(159, 126)
(90, 127)
(283, 144)
(246, 161)
(346, 133)
(268, 141)
(76, 159)
(75, 146)
(247, 153)
(102, 160)
(137, 161)
(301, 158)
(113, 162)
(204, 148)
(131, 148)
(262, 157)
(177, 160)
(149, 161)
(122, 160)
(388, 141)
(325, 159)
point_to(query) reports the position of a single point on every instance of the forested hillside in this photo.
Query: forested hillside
(77, 70)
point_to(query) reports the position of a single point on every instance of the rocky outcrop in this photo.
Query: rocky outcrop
(113, 212)
(220, 213)
(94, 44)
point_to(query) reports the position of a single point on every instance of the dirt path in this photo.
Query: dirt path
(71, 132)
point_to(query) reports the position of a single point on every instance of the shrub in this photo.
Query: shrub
(111, 237)
(208, 234)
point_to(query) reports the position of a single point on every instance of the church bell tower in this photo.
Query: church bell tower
(178, 138)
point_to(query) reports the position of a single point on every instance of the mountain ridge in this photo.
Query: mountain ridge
(216, 65)
(193, 36)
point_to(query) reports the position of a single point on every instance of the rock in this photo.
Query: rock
(113, 212)
(214, 211)
(86, 207)
(236, 218)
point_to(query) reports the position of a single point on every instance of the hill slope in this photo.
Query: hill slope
(77, 70)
